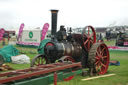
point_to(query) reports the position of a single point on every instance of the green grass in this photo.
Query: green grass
(110, 43)
(121, 77)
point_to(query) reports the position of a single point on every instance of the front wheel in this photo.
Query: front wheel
(39, 60)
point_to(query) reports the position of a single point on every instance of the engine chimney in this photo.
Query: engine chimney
(54, 21)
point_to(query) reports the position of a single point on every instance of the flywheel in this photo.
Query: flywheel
(89, 37)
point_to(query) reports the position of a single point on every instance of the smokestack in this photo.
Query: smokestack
(54, 21)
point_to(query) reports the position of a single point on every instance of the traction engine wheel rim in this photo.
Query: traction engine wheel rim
(68, 58)
(89, 37)
(39, 60)
(100, 54)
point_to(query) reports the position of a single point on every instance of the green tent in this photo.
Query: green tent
(7, 52)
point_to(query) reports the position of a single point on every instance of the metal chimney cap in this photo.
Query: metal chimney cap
(54, 11)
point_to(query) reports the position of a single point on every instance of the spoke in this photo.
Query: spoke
(97, 62)
(88, 45)
(45, 61)
(97, 66)
(100, 69)
(103, 65)
(42, 62)
(90, 36)
(104, 57)
(85, 35)
(91, 41)
(98, 53)
(102, 51)
(36, 63)
(97, 57)
(99, 49)
(88, 31)
(38, 60)
(85, 42)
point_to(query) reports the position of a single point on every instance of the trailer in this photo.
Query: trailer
(40, 75)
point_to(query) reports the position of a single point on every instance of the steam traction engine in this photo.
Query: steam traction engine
(67, 54)
(68, 47)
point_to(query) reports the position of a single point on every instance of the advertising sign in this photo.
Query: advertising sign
(31, 36)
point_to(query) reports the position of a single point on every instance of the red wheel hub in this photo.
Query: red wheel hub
(89, 37)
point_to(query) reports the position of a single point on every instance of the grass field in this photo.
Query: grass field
(121, 77)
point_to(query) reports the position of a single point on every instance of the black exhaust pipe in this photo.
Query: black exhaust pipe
(54, 22)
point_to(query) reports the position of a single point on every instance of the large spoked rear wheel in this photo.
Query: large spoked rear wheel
(89, 37)
(67, 59)
(98, 59)
(39, 60)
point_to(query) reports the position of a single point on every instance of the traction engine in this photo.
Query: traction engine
(69, 47)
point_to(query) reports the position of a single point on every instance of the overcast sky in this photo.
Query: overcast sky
(72, 13)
